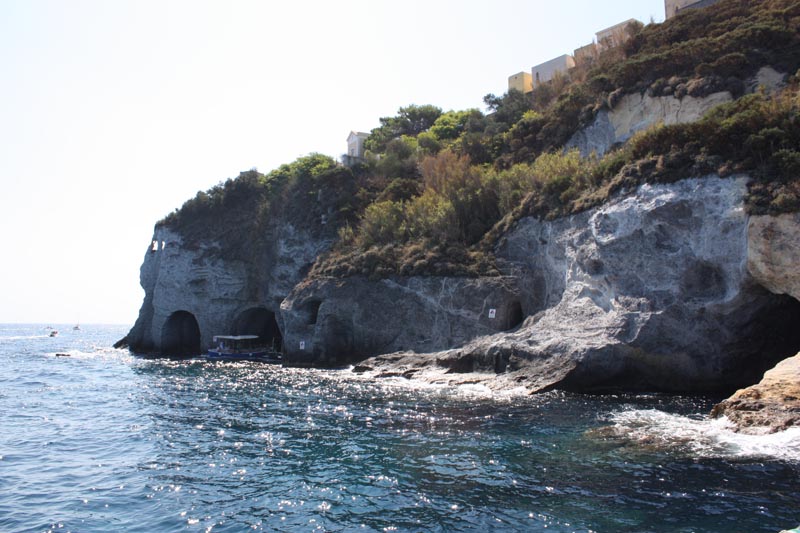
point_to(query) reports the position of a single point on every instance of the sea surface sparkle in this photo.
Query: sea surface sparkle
(100, 440)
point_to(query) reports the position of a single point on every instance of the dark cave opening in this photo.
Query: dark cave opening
(181, 335)
(311, 311)
(262, 322)
(514, 316)
(771, 337)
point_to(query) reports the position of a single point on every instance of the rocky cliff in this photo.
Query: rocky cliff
(636, 112)
(193, 291)
(650, 291)
(333, 322)
(664, 287)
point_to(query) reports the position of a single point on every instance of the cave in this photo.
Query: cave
(311, 311)
(181, 335)
(770, 337)
(262, 322)
(515, 316)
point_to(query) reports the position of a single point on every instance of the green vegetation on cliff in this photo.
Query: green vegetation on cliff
(238, 213)
(437, 188)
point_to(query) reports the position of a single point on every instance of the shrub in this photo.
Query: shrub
(382, 223)
(430, 217)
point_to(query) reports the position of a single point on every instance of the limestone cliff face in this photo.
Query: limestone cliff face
(655, 289)
(179, 279)
(650, 291)
(332, 321)
(773, 255)
(670, 287)
(193, 291)
(637, 112)
(667, 287)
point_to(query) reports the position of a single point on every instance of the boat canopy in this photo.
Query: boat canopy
(235, 337)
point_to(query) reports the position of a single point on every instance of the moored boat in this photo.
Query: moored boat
(242, 348)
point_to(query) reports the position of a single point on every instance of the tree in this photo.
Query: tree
(399, 159)
(449, 126)
(508, 108)
(410, 120)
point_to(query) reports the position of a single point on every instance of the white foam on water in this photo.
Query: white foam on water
(704, 436)
(439, 383)
(95, 353)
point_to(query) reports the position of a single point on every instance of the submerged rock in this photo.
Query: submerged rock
(771, 405)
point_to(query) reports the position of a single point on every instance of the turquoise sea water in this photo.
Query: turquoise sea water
(104, 441)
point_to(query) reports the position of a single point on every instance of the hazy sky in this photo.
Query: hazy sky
(114, 112)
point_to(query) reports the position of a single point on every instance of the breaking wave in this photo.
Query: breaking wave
(701, 436)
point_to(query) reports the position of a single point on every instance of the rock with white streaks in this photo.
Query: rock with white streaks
(650, 291)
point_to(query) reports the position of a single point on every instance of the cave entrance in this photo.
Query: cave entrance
(181, 335)
(773, 335)
(514, 316)
(262, 322)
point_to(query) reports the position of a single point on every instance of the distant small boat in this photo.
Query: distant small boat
(54, 333)
(242, 348)
(77, 327)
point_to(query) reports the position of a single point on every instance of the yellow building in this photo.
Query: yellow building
(521, 81)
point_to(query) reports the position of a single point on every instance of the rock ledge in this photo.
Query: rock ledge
(768, 407)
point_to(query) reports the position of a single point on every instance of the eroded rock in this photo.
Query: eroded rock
(773, 254)
(637, 112)
(650, 291)
(331, 322)
(771, 405)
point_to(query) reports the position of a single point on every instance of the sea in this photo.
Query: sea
(95, 439)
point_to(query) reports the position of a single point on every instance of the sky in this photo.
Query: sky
(115, 112)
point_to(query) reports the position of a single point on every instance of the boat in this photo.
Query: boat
(76, 327)
(54, 333)
(242, 348)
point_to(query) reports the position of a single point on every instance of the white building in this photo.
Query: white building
(614, 36)
(355, 144)
(547, 70)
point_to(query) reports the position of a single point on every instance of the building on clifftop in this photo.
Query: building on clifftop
(355, 148)
(585, 54)
(521, 81)
(615, 35)
(673, 7)
(545, 72)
